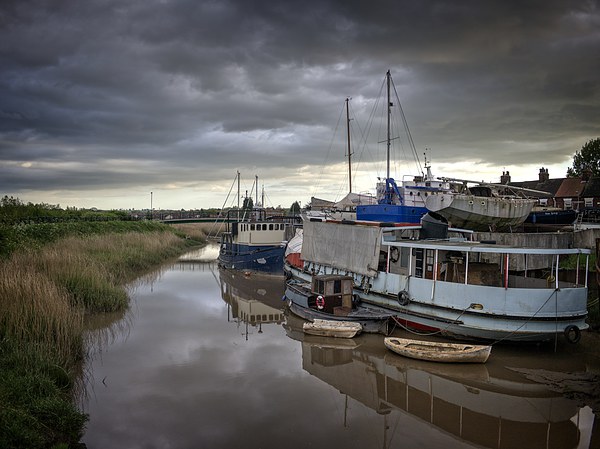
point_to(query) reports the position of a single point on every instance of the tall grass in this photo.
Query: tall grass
(44, 295)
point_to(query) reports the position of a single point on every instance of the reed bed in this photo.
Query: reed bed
(45, 294)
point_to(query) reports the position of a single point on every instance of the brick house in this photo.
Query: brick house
(578, 193)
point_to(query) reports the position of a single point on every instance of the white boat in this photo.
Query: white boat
(481, 208)
(330, 328)
(402, 202)
(453, 286)
(438, 351)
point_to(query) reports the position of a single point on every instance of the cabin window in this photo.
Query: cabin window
(271, 227)
(404, 254)
(252, 227)
(589, 202)
(337, 286)
(419, 259)
(264, 227)
(319, 286)
(543, 201)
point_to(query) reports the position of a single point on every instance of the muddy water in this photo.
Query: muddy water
(210, 359)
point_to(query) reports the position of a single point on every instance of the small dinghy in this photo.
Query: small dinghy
(330, 328)
(438, 352)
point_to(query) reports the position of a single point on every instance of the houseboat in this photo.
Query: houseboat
(452, 286)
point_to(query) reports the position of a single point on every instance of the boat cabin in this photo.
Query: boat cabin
(483, 264)
(332, 293)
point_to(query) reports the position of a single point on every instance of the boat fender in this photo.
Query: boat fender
(288, 275)
(403, 298)
(320, 302)
(572, 334)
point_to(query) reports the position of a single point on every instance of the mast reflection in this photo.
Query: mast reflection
(252, 300)
(482, 405)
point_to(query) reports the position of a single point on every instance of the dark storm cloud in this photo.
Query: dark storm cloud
(222, 85)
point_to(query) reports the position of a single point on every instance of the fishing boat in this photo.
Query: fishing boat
(453, 286)
(332, 328)
(437, 351)
(482, 207)
(402, 202)
(330, 297)
(253, 241)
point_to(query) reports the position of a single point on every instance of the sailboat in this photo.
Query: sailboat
(484, 206)
(402, 203)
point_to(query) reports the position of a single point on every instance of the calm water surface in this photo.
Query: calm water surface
(211, 359)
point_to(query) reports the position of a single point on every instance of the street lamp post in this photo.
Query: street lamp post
(151, 209)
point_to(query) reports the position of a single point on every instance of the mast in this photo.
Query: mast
(256, 180)
(349, 151)
(238, 194)
(389, 114)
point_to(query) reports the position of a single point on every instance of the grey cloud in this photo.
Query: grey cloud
(84, 82)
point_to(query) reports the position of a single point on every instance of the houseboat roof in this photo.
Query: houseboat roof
(480, 247)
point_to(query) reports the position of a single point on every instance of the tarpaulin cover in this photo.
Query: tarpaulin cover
(344, 246)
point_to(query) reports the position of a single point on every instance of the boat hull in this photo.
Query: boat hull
(480, 213)
(390, 213)
(438, 352)
(449, 311)
(560, 217)
(331, 328)
(258, 258)
(372, 320)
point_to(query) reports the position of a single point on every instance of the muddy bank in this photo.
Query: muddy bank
(581, 386)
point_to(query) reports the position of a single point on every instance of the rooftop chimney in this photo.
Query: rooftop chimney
(544, 176)
(505, 178)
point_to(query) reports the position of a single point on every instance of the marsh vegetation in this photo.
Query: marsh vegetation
(51, 276)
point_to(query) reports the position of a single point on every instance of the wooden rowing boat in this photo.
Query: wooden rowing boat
(437, 351)
(329, 328)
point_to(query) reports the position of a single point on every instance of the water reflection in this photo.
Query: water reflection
(485, 405)
(252, 299)
(210, 358)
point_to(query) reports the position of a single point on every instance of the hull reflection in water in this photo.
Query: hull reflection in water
(480, 405)
(253, 300)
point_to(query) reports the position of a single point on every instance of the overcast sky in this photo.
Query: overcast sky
(105, 101)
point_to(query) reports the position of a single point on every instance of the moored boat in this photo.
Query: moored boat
(254, 245)
(438, 351)
(453, 286)
(551, 216)
(402, 202)
(331, 297)
(481, 208)
(332, 328)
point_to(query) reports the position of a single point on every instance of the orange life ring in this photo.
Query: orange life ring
(320, 302)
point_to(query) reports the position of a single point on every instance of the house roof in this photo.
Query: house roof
(551, 185)
(570, 187)
(592, 188)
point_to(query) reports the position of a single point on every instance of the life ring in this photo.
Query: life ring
(320, 302)
(394, 254)
(572, 333)
(403, 298)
